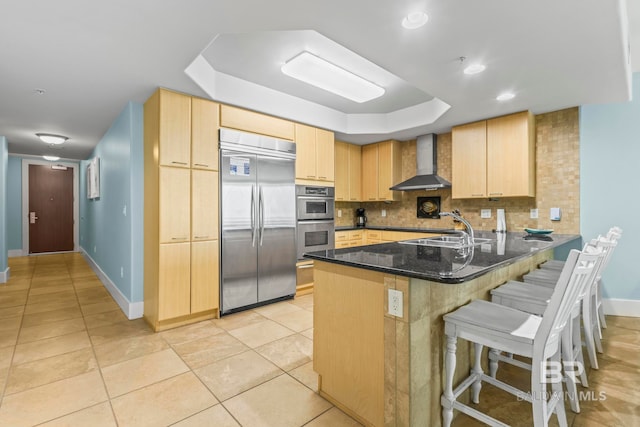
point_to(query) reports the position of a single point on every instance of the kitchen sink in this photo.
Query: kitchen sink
(446, 241)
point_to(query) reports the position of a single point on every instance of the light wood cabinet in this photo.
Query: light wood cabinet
(314, 155)
(181, 260)
(205, 294)
(349, 238)
(250, 121)
(494, 158)
(175, 205)
(174, 129)
(204, 134)
(304, 277)
(348, 172)
(174, 293)
(381, 169)
(204, 212)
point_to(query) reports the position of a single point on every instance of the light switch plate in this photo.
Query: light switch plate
(533, 214)
(339, 213)
(554, 214)
(485, 213)
(383, 213)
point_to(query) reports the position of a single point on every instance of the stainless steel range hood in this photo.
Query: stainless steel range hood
(426, 174)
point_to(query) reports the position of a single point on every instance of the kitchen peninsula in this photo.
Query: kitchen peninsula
(386, 370)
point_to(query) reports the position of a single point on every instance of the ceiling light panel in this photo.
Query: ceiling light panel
(51, 138)
(415, 20)
(505, 96)
(318, 72)
(474, 69)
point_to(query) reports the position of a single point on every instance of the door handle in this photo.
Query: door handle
(253, 216)
(261, 207)
(32, 217)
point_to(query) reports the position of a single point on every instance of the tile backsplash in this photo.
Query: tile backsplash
(557, 185)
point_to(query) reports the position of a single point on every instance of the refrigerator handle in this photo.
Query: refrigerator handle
(261, 218)
(253, 215)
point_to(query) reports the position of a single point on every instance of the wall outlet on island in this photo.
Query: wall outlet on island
(395, 303)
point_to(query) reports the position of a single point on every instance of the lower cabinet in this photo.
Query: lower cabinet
(304, 277)
(174, 294)
(205, 276)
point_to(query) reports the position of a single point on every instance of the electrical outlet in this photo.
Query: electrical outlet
(485, 213)
(94, 249)
(383, 213)
(339, 213)
(121, 271)
(533, 213)
(124, 210)
(395, 303)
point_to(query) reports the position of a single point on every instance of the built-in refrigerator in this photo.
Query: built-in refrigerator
(258, 220)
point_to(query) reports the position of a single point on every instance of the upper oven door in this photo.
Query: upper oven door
(314, 208)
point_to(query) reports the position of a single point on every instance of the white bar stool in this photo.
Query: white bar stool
(513, 331)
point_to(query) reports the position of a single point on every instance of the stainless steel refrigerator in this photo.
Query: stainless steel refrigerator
(258, 220)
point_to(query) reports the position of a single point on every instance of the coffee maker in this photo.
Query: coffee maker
(361, 218)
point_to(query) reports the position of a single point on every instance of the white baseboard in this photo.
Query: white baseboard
(621, 307)
(12, 253)
(4, 275)
(133, 310)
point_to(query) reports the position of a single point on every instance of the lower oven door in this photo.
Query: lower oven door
(315, 236)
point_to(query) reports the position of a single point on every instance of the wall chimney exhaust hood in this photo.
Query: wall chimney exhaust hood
(426, 174)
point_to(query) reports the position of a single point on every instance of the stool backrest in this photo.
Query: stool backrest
(575, 278)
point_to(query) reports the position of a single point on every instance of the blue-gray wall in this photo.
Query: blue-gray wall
(14, 203)
(111, 228)
(4, 164)
(609, 180)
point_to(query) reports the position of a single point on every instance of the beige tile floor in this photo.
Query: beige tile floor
(69, 357)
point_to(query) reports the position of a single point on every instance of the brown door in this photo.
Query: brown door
(50, 209)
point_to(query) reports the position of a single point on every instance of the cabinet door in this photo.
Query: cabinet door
(305, 152)
(205, 273)
(389, 169)
(510, 156)
(324, 155)
(355, 172)
(174, 284)
(175, 129)
(204, 205)
(175, 201)
(204, 134)
(469, 165)
(250, 121)
(342, 163)
(370, 172)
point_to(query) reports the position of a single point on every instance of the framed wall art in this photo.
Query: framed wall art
(429, 207)
(93, 178)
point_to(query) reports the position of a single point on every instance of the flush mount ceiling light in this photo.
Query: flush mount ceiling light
(51, 138)
(474, 69)
(320, 73)
(415, 20)
(505, 96)
(51, 158)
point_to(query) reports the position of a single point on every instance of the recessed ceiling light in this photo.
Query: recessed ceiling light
(474, 69)
(415, 20)
(505, 96)
(51, 138)
(51, 158)
(320, 73)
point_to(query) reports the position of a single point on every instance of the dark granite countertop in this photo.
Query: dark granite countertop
(389, 228)
(443, 265)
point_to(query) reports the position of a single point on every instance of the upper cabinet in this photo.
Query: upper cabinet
(250, 121)
(348, 172)
(494, 158)
(204, 134)
(314, 155)
(381, 169)
(174, 110)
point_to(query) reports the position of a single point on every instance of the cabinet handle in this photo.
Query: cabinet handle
(372, 198)
(200, 237)
(353, 198)
(495, 194)
(305, 266)
(322, 177)
(179, 238)
(310, 176)
(179, 163)
(200, 164)
(480, 194)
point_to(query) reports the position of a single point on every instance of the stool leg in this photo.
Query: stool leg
(577, 351)
(477, 371)
(449, 369)
(568, 359)
(493, 362)
(587, 324)
(556, 388)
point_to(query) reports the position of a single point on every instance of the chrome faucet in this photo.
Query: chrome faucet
(469, 234)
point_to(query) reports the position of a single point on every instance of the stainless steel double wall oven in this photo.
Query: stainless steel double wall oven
(315, 224)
